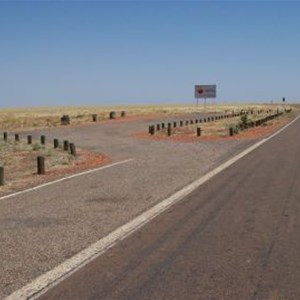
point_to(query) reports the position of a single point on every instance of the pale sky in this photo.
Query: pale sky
(133, 52)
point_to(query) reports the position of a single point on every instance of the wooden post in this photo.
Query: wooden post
(186, 122)
(231, 131)
(174, 124)
(169, 130)
(158, 127)
(17, 138)
(152, 130)
(94, 116)
(55, 143)
(40, 165)
(198, 131)
(1, 175)
(162, 125)
(66, 145)
(5, 136)
(112, 115)
(73, 149)
(43, 140)
(123, 113)
(29, 139)
(181, 123)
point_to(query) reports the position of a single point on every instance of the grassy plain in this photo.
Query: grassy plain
(43, 117)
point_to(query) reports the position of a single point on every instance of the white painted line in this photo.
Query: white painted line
(48, 280)
(65, 178)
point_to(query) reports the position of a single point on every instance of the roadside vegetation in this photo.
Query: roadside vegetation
(46, 117)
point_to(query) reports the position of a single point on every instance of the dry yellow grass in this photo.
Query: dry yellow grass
(33, 118)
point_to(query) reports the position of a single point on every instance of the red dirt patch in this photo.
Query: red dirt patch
(85, 160)
(249, 134)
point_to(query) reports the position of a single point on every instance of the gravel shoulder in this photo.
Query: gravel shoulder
(42, 228)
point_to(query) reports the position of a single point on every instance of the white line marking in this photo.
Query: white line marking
(65, 178)
(50, 279)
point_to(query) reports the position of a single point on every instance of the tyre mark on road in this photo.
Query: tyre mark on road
(135, 265)
(278, 225)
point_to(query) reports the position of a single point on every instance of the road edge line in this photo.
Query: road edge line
(48, 280)
(65, 178)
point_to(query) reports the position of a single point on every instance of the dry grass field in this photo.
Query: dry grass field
(45, 117)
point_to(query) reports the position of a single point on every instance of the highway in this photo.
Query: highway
(235, 237)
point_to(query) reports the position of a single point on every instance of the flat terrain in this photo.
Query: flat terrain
(42, 228)
(236, 237)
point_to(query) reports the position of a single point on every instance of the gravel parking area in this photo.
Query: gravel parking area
(42, 228)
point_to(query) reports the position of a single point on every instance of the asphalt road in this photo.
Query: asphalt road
(236, 237)
(42, 228)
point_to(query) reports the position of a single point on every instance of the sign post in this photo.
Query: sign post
(205, 91)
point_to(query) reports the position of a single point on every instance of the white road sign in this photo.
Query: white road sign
(205, 91)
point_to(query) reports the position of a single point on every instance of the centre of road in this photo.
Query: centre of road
(48, 280)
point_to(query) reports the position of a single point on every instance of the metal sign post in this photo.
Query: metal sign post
(205, 91)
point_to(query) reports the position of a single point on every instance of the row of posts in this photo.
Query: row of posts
(181, 123)
(66, 145)
(258, 122)
(40, 159)
(66, 120)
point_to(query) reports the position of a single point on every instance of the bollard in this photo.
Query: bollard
(198, 131)
(40, 165)
(200, 120)
(94, 117)
(152, 131)
(1, 175)
(66, 145)
(169, 130)
(17, 138)
(174, 124)
(73, 149)
(149, 129)
(158, 127)
(208, 119)
(192, 122)
(196, 121)
(204, 120)
(43, 140)
(186, 122)
(162, 125)
(123, 113)
(112, 115)
(181, 123)
(231, 131)
(55, 143)
(5, 136)
(29, 139)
